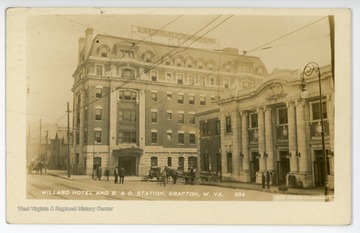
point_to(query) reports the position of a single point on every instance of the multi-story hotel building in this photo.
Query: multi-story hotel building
(135, 102)
(271, 127)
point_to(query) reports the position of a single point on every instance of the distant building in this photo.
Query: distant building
(272, 128)
(134, 102)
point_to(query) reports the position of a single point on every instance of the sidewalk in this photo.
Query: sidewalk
(246, 186)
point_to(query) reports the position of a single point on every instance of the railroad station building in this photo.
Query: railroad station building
(271, 127)
(135, 101)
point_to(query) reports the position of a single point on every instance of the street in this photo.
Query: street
(46, 186)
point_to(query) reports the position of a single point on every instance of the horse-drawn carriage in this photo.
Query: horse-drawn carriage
(205, 177)
(36, 165)
(154, 172)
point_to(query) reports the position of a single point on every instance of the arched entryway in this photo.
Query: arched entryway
(128, 159)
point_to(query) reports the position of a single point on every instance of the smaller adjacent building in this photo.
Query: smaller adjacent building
(271, 128)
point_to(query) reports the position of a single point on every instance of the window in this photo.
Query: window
(168, 77)
(103, 52)
(127, 73)
(97, 136)
(226, 83)
(253, 120)
(98, 93)
(189, 63)
(228, 124)
(99, 70)
(202, 100)
(192, 119)
(192, 138)
(154, 117)
(127, 115)
(178, 62)
(200, 65)
(181, 138)
(191, 79)
(153, 75)
(127, 95)
(213, 99)
(210, 66)
(169, 161)
(282, 116)
(153, 137)
(315, 107)
(154, 96)
(154, 161)
(180, 78)
(181, 163)
(148, 57)
(98, 114)
(228, 68)
(127, 137)
(180, 99)
(192, 162)
(168, 115)
(121, 115)
(191, 99)
(169, 96)
(85, 137)
(205, 129)
(212, 81)
(169, 135)
(181, 118)
(218, 127)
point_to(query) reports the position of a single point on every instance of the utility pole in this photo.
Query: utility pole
(68, 147)
(40, 141)
(46, 146)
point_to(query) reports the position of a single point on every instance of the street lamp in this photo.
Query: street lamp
(308, 70)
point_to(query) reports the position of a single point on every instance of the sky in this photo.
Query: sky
(284, 42)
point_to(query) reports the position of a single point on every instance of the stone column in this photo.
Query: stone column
(269, 143)
(292, 136)
(245, 141)
(245, 173)
(235, 144)
(261, 128)
(301, 138)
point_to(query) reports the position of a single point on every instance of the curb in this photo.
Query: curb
(63, 177)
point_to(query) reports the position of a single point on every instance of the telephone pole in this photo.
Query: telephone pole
(40, 142)
(46, 146)
(68, 137)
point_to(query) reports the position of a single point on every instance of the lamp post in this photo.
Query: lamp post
(308, 70)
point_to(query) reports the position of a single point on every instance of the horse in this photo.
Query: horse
(171, 173)
(36, 166)
(161, 178)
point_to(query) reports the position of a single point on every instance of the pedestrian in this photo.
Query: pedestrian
(116, 174)
(122, 173)
(268, 177)
(99, 173)
(263, 180)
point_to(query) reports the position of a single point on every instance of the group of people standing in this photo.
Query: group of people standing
(265, 178)
(119, 175)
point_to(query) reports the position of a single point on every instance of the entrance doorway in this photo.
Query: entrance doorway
(283, 166)
(129, 164)
(254, 166)
(319, 169)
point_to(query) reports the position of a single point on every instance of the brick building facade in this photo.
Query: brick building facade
(135, 101)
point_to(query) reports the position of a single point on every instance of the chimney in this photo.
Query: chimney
(81, 47)
(88, 40)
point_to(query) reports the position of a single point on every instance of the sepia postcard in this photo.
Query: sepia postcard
(178, 116)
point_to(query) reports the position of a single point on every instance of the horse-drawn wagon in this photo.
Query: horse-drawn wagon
(153, 173)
